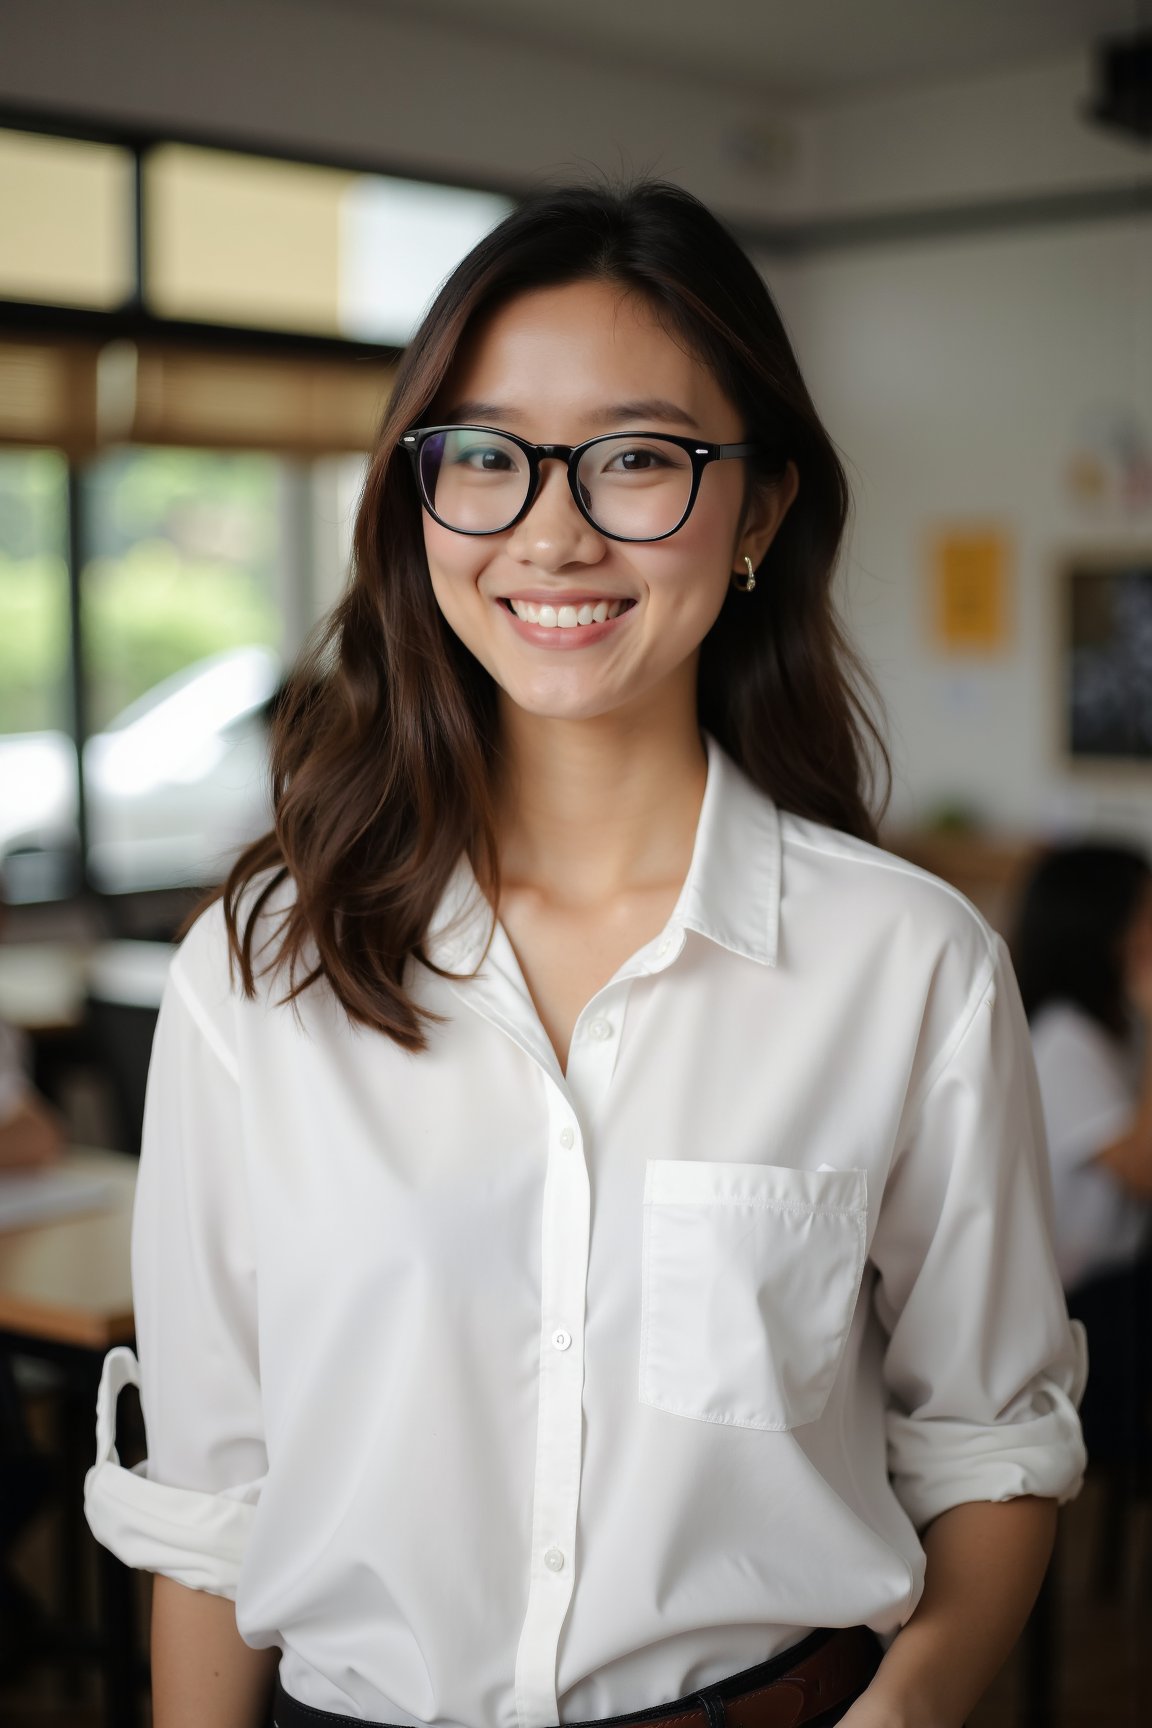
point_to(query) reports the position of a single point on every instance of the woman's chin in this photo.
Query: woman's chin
(550, 706)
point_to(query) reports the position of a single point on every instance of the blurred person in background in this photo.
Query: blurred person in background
(1083, 953)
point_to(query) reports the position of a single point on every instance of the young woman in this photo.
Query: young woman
(591, 1253)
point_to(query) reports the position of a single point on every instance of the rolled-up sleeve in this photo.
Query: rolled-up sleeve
(186, 1510)
(983, 1369)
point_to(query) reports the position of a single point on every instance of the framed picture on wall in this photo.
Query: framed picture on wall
(1106, 656)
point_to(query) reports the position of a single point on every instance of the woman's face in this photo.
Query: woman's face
(559, 365)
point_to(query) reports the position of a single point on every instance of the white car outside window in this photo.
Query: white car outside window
(175, 784)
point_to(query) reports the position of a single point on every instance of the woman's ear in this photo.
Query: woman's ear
(767, 507)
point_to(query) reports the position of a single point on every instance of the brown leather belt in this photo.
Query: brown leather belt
(811, 1683)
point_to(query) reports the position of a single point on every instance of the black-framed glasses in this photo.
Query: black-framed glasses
(628, 485)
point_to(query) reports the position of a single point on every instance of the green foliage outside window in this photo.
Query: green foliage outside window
(185, 545)
(34, 633)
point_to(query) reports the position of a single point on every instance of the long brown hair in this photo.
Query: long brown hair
(381, 750)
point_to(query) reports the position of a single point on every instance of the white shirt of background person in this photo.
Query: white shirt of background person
(1089, 1084)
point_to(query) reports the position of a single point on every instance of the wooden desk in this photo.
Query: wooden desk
(69, 1280)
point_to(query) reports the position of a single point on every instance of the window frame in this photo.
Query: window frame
(134, 317)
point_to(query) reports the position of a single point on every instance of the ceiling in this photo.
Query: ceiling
(802, 50)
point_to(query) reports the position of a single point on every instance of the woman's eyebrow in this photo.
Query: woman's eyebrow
(471, 413)
(647, 409)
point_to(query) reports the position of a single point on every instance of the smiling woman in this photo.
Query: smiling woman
(557, 1287)
(608, 318)
(660, 518)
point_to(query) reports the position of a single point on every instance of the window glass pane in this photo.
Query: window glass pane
(284, 245)
(182, 623)
(66, 221)
(37, 756)
(399, 239)
(242, 240)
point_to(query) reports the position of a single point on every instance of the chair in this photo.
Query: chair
(125, 983)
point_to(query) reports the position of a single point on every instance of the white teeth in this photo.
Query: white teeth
(566, 617)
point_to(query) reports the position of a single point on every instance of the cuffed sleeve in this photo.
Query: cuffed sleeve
(984, 1370)
(197, 1539)
(187, 1509)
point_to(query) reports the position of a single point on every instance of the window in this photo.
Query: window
(66, 218)
(245, 240)
(399, 240)
(37, 756)
(182, 625)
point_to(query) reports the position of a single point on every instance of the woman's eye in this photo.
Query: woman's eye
(485, 459)
(634, 462)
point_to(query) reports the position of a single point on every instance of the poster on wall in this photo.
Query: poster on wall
(969, 569)
(1107, 658)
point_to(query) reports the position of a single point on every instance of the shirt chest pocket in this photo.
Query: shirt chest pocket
(749, 1278)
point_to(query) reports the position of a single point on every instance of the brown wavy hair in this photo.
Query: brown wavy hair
(383, 744)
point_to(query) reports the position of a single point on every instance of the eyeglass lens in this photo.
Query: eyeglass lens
(635, 487)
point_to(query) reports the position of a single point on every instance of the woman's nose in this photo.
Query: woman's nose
(554, 533)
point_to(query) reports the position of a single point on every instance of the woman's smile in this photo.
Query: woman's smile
(565, 622)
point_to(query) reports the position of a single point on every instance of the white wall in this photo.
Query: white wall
(1007, 134)
(957, 380)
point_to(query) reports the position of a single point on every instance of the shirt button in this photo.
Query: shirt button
(554, 1560)
(600, 1029)
(665, 946)
(567, 1137)
(561, 1339)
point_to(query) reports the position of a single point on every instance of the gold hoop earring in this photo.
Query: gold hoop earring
(746, 587)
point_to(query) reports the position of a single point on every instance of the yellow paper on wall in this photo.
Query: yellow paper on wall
(970, 582)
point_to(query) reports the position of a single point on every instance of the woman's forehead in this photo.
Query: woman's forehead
(584, 349)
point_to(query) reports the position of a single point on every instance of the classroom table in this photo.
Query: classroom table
(66, 1299)
(43, 984)
(88, 1007)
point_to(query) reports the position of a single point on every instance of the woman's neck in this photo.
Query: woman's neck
(589, 810)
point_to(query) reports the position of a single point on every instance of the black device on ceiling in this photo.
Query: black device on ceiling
(1124, 85)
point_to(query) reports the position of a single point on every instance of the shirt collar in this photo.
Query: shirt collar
(731, 894)
(732, 891)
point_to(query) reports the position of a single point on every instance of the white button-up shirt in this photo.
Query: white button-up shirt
(499, 1397)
